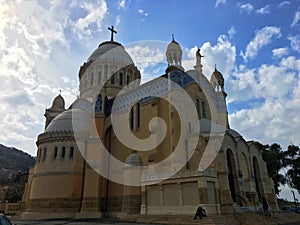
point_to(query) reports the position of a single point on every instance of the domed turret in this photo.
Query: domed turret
(58, 102)
(174, 54)
(58, 106)
(217, 80)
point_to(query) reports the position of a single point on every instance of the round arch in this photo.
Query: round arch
(258, 179)
(232, 175)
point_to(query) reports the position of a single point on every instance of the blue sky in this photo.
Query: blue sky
(255, 44)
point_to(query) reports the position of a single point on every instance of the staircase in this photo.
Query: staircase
(224, 219)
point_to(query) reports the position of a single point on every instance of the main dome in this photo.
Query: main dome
(111, 50)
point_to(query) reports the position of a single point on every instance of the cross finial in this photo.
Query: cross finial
(172, 37)
(60, 91)
(112, 32)
(215, 66)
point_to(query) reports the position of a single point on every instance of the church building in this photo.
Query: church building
(157, 148)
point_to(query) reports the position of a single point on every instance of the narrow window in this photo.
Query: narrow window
(203, 109)
(39, 155)
(127, 79)
(55, 153)
(138, 115)
(105, 70)
(131, 118)
(71, 154)
(99, 77)
(198, 108)
(44, 154)
(98, 106)
(120, 79)
(190, 127)
(92, 79)
(112, 79)
(63, 152)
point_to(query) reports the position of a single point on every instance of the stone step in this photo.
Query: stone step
(224, 219)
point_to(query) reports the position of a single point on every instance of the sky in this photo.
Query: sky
(254, 44)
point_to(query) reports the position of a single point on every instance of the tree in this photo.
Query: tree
(275, 159)
(292, 162)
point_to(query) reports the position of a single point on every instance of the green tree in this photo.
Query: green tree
(292, 162)
(275, 159)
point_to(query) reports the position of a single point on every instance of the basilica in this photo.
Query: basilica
(157, 148)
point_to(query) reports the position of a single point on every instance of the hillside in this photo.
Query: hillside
(12, 161)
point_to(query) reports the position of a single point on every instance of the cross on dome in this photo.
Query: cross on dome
(112, 32)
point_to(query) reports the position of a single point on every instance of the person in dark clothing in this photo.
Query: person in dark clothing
(200, 213)
(266, 207)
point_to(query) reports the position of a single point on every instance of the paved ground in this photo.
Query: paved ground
(70, 222)
(83, 222)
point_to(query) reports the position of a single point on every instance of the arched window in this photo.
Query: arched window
(44, 154)
(120, 79)
(63, 152)
(203, 114)
(105, 70)
(131, 116)
(138, 112)
(85, 82)
(127, 79)
(71, 154)
(198, 107)
(38, 157)
(112, 79)
(99, 77)
(98, 105)
(55, 152)
(91, 79)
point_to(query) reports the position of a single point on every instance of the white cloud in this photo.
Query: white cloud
(142, 12)
(223, 54)
(284, 3)
(262, 38)
(296, 19)
(219, 2)
(32, 37)
(118, 20)
(95, 13)
(147, 55)
(264, 10)
(294, 42)
(231, 32)
(247, 8)
(279, 52)
(276, 90)
(122, 4)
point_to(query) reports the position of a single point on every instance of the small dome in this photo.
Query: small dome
(174, 47)
(71, 120)
(174, 54)
(59, 102)
(133, 160)
(217, 75)
(217, 80)
(111, 50)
